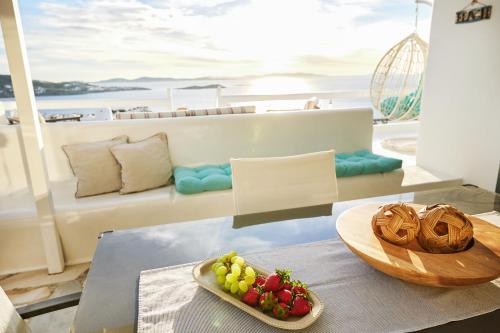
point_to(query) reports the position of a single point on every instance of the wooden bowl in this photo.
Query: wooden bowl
(477, 264)
(203, 274)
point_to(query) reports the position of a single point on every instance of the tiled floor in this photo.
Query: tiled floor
(31, 287)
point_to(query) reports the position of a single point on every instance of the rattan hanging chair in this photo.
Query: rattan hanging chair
(396, 86)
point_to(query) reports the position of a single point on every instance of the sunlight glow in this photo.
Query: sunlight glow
(278, 85)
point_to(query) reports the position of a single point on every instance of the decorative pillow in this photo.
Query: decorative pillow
(94, 166)
(202, 178)
(363, 162)
(145, 164)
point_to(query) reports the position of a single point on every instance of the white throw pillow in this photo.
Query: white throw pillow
(95, 167)
(145, 164)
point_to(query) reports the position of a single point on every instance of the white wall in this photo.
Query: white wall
(460, 122)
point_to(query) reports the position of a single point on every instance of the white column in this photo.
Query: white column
(30, 131)
(170, 99)
(218, 96)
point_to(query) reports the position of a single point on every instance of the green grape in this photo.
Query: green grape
(250, 280)
(221, 279)
(243, 286)
(232, 254)
(215, 266)
(234, 287)
(231, 278)
(239, 260)
(236, 270)
(227, 285)
(249, 271)
(221, 270)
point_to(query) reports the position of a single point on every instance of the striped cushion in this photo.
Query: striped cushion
(186, 113)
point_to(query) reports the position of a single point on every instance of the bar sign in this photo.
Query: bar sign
(474, 14)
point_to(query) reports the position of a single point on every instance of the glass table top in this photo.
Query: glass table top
(109, 299)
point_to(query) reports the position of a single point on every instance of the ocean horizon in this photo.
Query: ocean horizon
(347, 91)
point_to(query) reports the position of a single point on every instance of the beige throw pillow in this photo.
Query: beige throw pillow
(145, 164)
(94, 166)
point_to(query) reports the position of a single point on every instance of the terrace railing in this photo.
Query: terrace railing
(223, 100)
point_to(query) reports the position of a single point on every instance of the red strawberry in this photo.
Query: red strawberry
(268, 300)
(299, 288)
(281, 310)
(260, 280)
(274, 282)
(251, 297)
(287, 285)
(285, 296)
(300, 306)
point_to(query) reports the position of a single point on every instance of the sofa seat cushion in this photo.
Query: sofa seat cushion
(218, 177)
(363, 162)
(203, 178)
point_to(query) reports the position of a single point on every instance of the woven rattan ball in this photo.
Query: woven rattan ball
(396, 223)
(444, 229)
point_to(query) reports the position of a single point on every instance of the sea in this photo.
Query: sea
(347, 92)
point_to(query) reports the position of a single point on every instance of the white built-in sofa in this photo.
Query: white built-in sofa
(192, 141)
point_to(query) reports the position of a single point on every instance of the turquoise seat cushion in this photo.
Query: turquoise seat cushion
(364, 162)
(202, 178)
(218, 177)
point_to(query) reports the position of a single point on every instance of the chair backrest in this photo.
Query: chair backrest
(10, 321)
(278, 183)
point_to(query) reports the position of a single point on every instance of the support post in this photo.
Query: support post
(170, 99)
(218, 97)
(31, 132)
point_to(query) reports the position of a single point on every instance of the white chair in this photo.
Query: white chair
(12, 319)
(278, 183)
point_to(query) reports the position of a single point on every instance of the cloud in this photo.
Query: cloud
(97, 39)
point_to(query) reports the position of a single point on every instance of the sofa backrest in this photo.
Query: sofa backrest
(204, 140)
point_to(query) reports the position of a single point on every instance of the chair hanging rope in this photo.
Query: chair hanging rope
(396, 86)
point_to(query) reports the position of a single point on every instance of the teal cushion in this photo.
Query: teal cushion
(202, 178)
(364, 162)
(218, 177)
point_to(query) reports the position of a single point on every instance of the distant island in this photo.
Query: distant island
(208, 86)
(46, 88)
(157, 79)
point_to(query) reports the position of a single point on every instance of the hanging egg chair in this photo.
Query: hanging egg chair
(396, 86)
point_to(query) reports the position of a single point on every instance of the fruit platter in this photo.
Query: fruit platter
(274, 298)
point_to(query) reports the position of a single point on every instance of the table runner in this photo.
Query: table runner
(357, 297)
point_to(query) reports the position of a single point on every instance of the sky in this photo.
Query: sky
(91, 40)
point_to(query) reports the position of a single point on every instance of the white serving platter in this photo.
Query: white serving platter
(203, 274)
